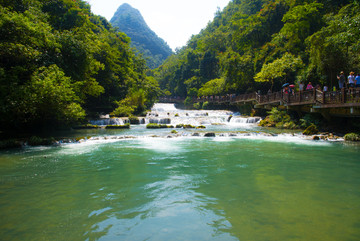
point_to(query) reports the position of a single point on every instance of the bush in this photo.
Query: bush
(352, 137)
(197, 105)
(126, 126)
(134, 120)
(38, 141)
(311, 130)
(188, 126)
(309, 119)
(8, 144)
(205, 105)
(188, 101)
(158, 126)
(87, 126)
(278, 119)
(123, 111)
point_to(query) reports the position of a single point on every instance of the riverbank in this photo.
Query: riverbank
(214, 131)
(214, 123)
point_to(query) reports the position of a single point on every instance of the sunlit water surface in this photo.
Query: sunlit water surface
(246, 187)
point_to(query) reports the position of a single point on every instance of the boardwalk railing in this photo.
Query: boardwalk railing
(310, 97)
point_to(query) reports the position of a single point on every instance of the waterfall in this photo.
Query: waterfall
(108, 121)
(169, 114)
(245, 120)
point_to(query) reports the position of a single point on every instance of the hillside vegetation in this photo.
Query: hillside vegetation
(131, 22)
(59, 63)
(262, 44)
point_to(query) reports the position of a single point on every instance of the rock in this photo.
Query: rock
(195, 134)
(210, 134)
(316, 138)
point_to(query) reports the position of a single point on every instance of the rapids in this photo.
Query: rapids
(246, 183)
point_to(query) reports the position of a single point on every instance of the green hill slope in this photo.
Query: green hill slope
(262, 44)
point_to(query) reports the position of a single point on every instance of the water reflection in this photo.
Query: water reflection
(160, 202)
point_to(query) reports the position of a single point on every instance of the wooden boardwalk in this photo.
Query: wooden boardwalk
(312, 100)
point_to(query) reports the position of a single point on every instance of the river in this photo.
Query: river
(247, 183)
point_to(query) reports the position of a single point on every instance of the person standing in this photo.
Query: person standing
(301, 86)
(341, 79)
(357, 80)
(309, 86)
(351, 79)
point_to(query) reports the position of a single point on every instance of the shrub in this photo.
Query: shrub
(352, 137)
(197, 105)
(188, 126)
(8, 144)
(311, 130)
(87, 126)
(205, 105)
(123, 111)
(309, 119)
(158, 126)
(126, 126)
(278, 119)
(38, 141)
(153, 126)
(134, 120)
(188, 101)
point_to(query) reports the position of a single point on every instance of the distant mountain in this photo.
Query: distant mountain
(130, 21)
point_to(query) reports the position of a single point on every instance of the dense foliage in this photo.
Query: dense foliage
(59, 62)
(131, 22)
(256, 45)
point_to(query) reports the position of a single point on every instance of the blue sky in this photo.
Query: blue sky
(175, 21)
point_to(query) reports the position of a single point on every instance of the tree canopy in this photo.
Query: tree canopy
(59, 63)
(259, 44)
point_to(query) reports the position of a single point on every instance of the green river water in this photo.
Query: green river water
(247, 186)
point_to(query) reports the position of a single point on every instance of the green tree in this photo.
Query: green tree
(212, 87)
(279, 70)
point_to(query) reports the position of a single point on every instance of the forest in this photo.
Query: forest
(60, 64)
(259, 45)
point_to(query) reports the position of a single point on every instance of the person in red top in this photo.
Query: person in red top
(309, 86)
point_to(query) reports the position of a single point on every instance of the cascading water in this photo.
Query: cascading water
(245, 120)
(107, 121)
(169, 114)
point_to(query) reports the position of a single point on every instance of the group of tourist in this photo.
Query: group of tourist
(352, 80)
